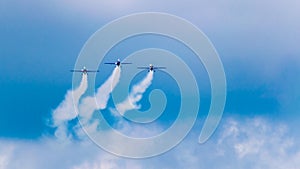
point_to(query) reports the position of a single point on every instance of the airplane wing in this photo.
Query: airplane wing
(159, 67)
(110, 63)
(92, 71)
(125, 63)
(76, 70)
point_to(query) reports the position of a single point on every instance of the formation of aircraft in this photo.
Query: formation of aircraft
(118, 63)
(84, 70)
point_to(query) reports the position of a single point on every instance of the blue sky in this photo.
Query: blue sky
(257, 42)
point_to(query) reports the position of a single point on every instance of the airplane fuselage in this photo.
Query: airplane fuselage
(84, 71)
(117, 63)
(151, 68)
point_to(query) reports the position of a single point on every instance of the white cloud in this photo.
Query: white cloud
(259, 142)
(107, 162)
(5, 155)
(251, 144)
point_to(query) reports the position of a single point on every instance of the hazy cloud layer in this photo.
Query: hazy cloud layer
(250, 144)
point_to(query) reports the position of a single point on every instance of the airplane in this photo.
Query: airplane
(151, 68)
(84, 70)
(117, 63)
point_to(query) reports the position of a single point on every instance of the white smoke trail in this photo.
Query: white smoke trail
(89, 104)
(104, 91)
(135, 95)
(66, 109)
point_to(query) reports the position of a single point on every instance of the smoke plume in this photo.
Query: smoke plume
(66, 109)
(135, 95)
(99, 101)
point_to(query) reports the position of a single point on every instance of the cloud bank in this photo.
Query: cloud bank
(249, 144)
